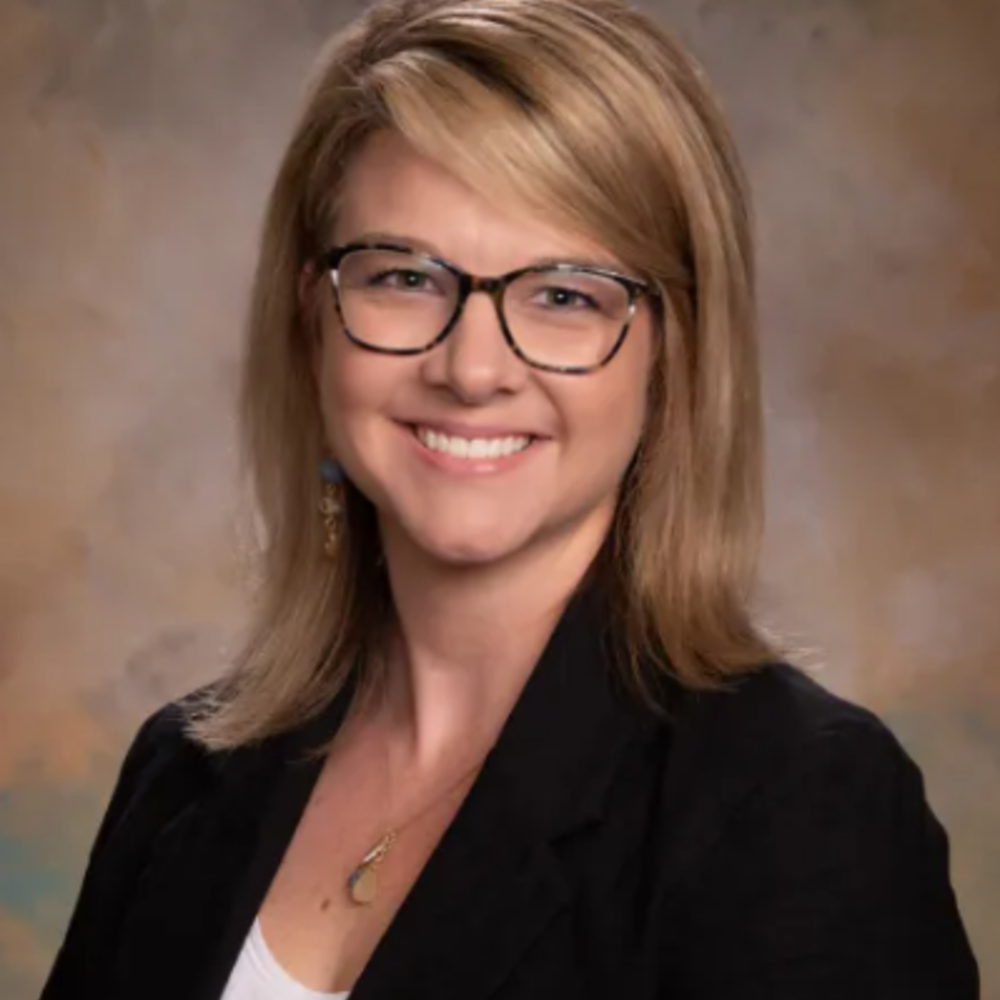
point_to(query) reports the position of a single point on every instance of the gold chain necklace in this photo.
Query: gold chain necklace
(362, 883)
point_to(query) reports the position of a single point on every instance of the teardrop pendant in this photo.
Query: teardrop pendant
(362, 884)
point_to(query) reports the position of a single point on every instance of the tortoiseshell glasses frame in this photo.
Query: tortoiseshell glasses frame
(635, 288)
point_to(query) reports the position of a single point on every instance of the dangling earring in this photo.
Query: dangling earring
(331, 504)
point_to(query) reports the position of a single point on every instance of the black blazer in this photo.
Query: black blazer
(771, 843)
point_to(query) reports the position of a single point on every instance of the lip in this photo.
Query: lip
(469, 467)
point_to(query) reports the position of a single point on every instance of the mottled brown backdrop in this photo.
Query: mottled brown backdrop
(137, 141)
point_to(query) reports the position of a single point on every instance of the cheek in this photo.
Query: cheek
(358, 392)
(349, 386)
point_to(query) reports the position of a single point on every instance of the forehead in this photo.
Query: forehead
(392, 189)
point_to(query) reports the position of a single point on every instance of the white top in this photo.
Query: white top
(258, 976)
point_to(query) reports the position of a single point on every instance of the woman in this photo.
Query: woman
(504, 727)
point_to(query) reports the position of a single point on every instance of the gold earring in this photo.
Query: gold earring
(331, 504)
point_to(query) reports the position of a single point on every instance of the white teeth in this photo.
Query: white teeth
(459, 447)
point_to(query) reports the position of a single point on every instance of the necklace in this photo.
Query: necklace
(362, 883)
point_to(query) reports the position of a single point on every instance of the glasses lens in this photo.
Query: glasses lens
(566, 318)
(393, 300)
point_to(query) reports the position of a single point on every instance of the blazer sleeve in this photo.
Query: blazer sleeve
(831, 881)
(77, 962)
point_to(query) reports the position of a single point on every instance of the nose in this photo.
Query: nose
(474, 362)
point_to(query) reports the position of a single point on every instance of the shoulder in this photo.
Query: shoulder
(776, 729)
(161, 776)
(760, 721)
(162, 765)
(802, 853)
(780, 699)
(162, 737)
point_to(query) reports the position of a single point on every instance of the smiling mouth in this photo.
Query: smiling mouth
(478, 448)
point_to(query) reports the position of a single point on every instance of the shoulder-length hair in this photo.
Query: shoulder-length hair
(590, 112)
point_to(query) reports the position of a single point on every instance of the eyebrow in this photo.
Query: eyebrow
(426, 246)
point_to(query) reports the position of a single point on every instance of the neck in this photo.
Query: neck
(468, 637)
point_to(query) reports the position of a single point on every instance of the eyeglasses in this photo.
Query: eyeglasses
(563, 318)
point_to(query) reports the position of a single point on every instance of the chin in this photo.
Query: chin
(466, 545)
(461, 551)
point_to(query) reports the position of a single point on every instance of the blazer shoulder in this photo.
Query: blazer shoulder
(160, 755)
(799, 826)
(162, 736)
(727, 744)
(769, 714)
(160, 776)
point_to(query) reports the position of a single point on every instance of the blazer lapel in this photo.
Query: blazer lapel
(483, 898)
(495, 882)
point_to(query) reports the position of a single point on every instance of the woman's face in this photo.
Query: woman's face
(582, 430)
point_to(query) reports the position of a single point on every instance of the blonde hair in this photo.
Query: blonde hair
(589, 111)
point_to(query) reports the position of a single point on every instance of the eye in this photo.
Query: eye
(558, 297)
(400, 280)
